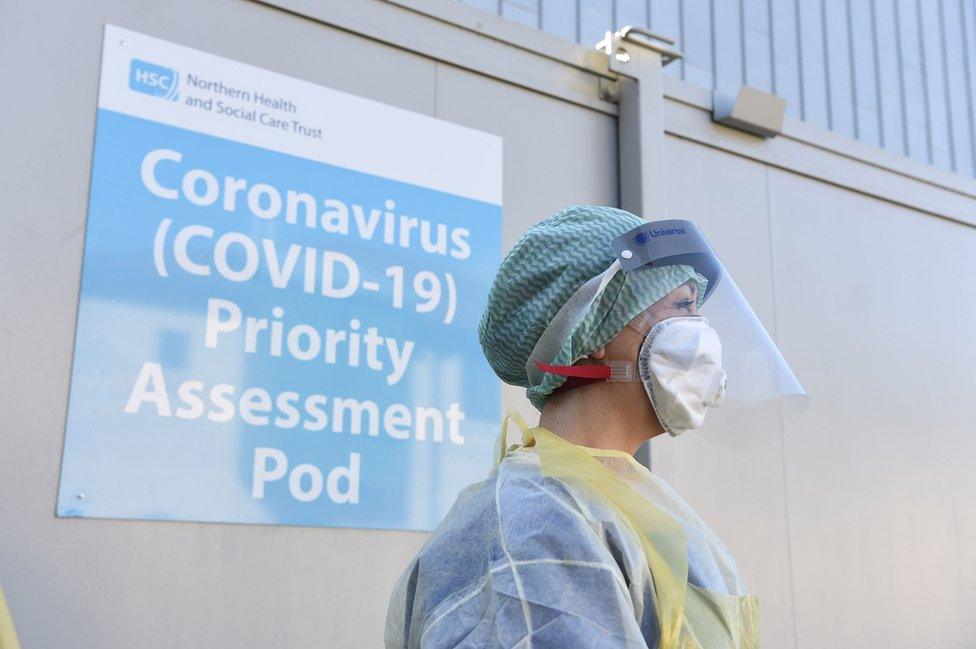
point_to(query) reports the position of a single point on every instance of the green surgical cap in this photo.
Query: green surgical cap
(542, 271)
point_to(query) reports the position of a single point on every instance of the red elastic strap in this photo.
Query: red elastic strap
(592, 372)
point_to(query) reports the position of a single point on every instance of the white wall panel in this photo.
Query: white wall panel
(870, 299)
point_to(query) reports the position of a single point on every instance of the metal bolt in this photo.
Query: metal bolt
(80, 495)
(626, 254)
(122, 42)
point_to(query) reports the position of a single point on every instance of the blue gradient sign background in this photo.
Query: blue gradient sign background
(156, 424)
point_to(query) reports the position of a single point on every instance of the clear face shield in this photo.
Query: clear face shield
(707, 363)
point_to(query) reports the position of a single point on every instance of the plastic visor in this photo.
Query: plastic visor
(763, 396)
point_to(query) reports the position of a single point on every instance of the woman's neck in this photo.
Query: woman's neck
(597, 417)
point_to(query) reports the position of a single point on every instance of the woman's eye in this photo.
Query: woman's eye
(684, 304)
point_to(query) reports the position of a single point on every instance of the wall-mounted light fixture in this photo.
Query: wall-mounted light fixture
(752, 110)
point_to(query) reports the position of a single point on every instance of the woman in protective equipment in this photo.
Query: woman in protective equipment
(620, 330)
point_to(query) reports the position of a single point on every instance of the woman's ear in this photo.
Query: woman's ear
(598, 354)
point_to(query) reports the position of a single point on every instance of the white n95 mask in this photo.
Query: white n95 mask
(680, 364)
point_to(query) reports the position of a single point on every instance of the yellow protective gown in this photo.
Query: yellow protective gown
(570, 546)
(8, 637)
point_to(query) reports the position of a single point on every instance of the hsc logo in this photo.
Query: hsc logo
(154, 80)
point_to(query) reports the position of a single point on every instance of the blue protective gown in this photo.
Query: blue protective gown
(525, 560)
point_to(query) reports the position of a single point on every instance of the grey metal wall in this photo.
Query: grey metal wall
(899, 74)
(855, 529)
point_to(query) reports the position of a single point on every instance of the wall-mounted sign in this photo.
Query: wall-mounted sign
(279, 300)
